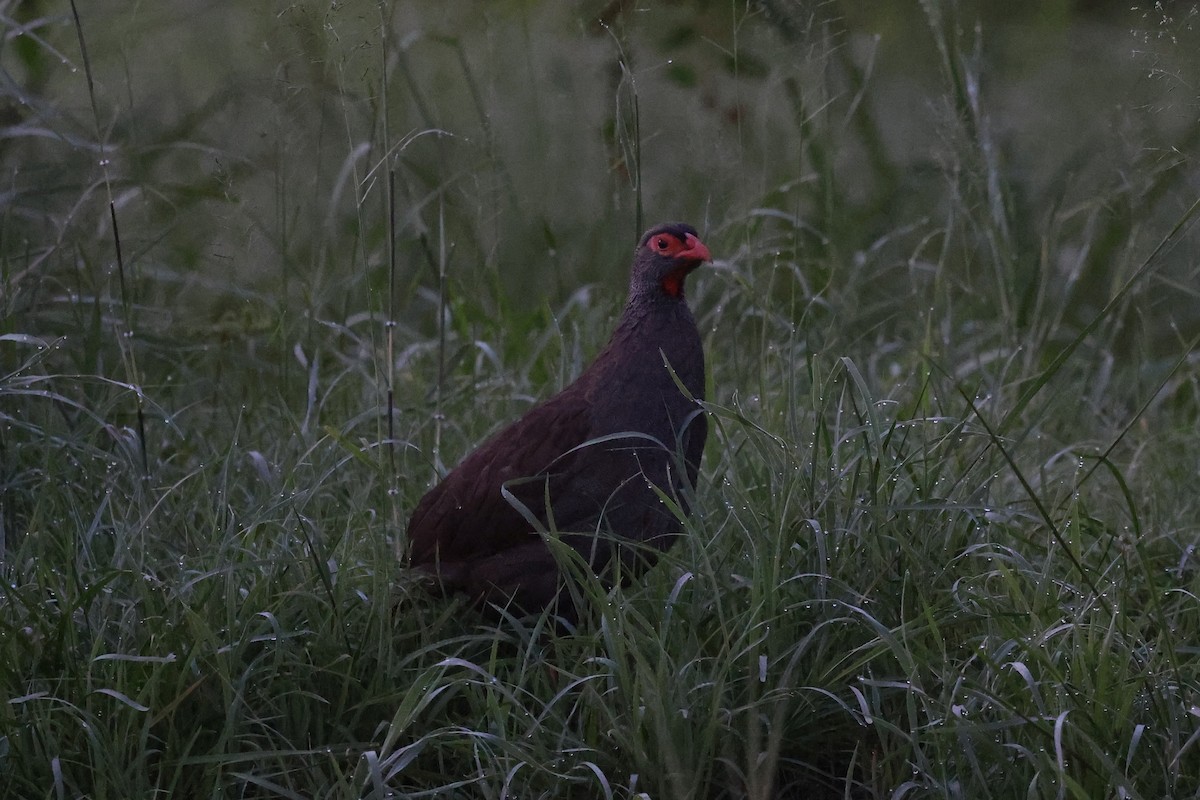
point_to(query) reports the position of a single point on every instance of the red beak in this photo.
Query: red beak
(696, 251)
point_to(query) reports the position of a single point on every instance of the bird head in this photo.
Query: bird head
(664, 257)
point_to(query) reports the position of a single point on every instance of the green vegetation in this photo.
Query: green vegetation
(264, 272)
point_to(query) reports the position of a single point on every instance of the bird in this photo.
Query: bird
(590, 464)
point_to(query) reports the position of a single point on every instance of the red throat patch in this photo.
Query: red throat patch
(672, 284)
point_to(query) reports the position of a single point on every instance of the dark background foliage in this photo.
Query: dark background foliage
(267, 269)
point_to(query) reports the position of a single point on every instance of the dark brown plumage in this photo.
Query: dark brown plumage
(598, 450)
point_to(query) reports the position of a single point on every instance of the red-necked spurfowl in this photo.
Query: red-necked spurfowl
(600, 451)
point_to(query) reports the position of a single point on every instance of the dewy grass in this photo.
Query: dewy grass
(943, 544)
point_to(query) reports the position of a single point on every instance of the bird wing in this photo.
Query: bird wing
(467, 516)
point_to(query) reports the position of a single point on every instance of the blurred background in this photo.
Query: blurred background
(441, 198)
(268, 269)
(249, 149)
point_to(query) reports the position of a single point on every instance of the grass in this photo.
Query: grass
(943, 544)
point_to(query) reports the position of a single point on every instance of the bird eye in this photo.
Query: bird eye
(661, 243)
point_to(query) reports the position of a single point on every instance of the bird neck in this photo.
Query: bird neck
(653, 317)
(653, 298)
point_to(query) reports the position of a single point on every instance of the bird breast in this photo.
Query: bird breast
(635, 390)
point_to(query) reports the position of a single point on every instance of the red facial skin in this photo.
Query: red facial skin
(689, 253)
